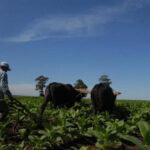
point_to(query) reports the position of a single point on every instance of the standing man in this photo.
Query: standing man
(4, 89)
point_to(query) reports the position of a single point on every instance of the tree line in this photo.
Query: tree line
(41, 83)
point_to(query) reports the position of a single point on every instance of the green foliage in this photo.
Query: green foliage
(134, 140)
(144, 128)
(145, 131)
(84, 148)
(62, 125)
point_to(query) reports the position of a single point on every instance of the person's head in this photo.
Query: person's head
(5, 66)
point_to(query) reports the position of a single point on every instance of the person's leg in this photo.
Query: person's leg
(1, 95)
(3, 109)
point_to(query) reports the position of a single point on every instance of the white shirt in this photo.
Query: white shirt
(3, 81)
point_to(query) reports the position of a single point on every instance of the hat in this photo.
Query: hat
(5, 64)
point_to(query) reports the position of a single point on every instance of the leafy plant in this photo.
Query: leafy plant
(145, 131)
(134, 140)
(62, 125)
(103, 137)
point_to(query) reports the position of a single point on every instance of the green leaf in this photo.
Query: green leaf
(74, 148)
(84, 148)
(145, 131)
(99, 145)
(22, 131)
(59, 139)
(144, 127)
(134, 140)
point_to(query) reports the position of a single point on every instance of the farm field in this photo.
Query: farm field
(77, 128)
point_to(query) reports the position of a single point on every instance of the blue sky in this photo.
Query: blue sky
(70, 39)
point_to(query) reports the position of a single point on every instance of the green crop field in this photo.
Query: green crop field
(77, 128)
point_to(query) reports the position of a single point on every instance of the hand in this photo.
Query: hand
(8, 93)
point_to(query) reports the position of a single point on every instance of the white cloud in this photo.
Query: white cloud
(78, 25)
(23, 89)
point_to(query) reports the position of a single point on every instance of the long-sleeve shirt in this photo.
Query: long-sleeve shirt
(4, 83)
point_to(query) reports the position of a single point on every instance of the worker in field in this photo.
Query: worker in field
(4, 89)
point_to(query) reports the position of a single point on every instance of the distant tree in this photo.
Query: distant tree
(41, 80)
(105, 79)
(80, 84)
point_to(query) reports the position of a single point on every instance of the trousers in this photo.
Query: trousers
(8, 93)
(1, 95)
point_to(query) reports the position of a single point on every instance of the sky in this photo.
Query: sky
(67, 40)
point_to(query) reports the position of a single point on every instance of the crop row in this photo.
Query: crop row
(77, 127)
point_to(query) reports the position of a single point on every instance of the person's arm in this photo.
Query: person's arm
(8, 93)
